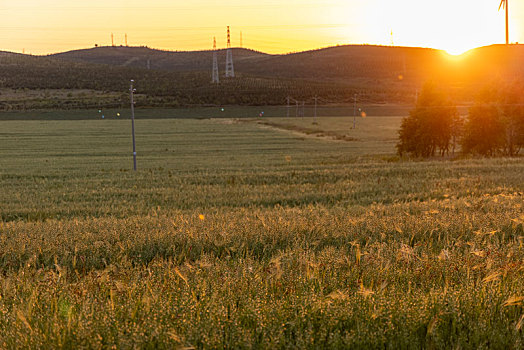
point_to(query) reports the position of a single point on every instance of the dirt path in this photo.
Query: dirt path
(303, 132)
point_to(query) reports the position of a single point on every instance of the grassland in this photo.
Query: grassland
(213, 112)
(240, 235)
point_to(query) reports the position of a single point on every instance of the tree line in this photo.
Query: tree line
(493, 126)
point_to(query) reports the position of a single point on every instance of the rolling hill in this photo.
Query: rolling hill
(143, 57)
(378, 74)
(333, 63)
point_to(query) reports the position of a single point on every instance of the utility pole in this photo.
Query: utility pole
(355, 111)
(316, 98)
(132, 91)
(112, 40)
(126, 39)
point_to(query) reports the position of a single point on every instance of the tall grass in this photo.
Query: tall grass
(241, 237)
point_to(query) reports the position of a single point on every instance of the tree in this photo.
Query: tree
(513, 118)
(496, 123)
(484, 131)
(430, 126)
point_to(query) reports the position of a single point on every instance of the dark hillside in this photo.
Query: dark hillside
(334, 63)
(21, 74)
(377, 74)
(143, 57)
(362, 67)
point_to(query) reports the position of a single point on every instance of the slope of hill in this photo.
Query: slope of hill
(143, 57)
(20, 75)
(325, 64)
(378, 74)
(334, 63)
(378, 68)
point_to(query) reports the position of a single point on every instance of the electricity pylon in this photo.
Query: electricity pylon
(230, 70)
(215, 78)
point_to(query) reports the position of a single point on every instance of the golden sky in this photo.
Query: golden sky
(274, 26)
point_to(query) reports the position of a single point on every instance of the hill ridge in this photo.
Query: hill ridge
(378, 74)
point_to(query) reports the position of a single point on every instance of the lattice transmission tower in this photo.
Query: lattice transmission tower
(215, 78)
(230, 70)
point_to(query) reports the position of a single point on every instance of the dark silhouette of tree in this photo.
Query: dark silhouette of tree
(484, 131)
(430, 126)
(513, 118)
(496, 123)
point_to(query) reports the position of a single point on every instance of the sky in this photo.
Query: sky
(273, 26)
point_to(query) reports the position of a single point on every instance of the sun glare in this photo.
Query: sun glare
(457, 51)
(455, 57)
(471, 24)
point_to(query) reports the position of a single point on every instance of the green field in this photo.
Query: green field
(211, 112)
(240, 234)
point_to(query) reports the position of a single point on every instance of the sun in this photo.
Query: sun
(457, 50)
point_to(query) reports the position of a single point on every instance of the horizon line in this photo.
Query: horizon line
(254, 50)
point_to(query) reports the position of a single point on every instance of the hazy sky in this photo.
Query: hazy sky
(46, 26)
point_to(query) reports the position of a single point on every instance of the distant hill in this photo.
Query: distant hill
(334, 63)
(32, 82)
(143, 57)
(379, 74)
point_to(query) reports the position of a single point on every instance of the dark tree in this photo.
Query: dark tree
(513, 118)
(484, 130)
(429, 128)
(496, 123)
